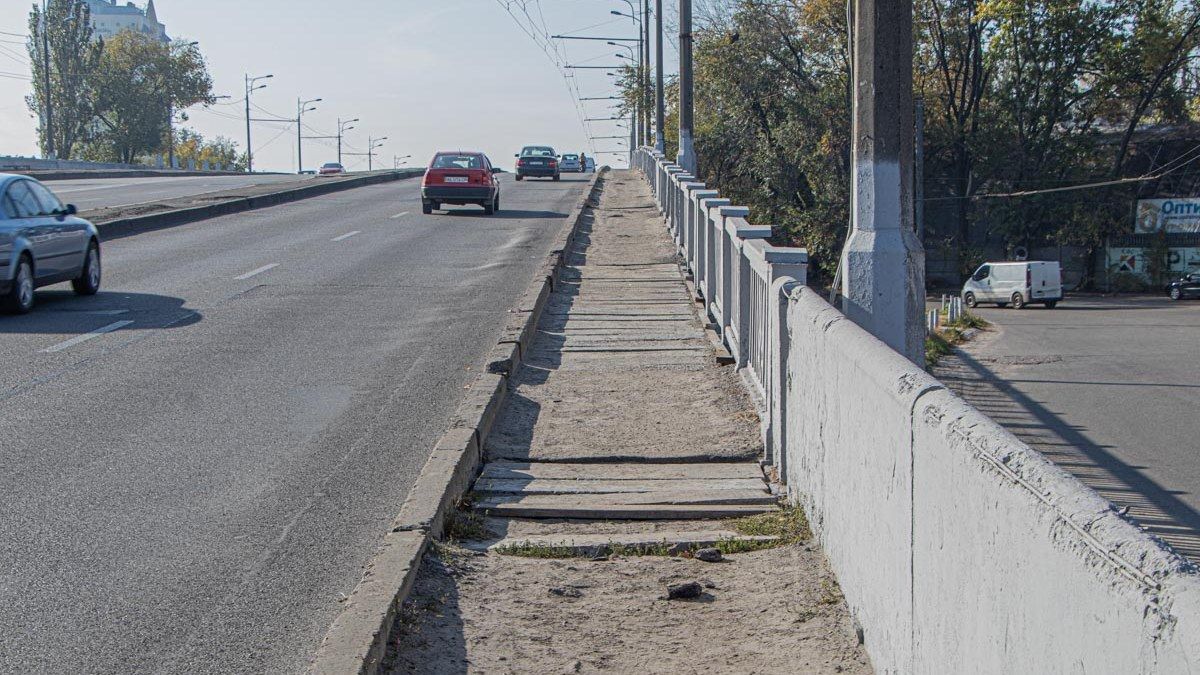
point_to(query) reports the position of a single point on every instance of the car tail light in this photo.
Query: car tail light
(520, 162)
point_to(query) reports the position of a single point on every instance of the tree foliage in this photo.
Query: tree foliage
(1020, 96)
(63, 38)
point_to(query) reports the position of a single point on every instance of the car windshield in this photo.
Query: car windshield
(332, 165)
(537, 152)
(457, 162)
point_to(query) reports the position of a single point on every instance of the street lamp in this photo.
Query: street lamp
(250, 87)
(301, 108)
(372, 144)
(343, 127)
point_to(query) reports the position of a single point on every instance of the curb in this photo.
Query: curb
(357, 641)
(123, 227)
(84, 174)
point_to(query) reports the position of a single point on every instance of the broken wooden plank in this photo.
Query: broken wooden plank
(599, 543)
(622, 470)
(631, 498)
(551, 486)
(628, 511)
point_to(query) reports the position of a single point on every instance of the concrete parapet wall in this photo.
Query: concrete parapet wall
(958, 547)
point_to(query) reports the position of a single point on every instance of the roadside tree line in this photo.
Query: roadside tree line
(1019, 95)
(115, 100)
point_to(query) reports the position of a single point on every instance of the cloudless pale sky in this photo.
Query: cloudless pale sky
(427, 74)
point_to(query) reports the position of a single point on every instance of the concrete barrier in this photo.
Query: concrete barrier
(958, 547)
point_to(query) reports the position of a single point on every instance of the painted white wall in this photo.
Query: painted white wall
(959, 548)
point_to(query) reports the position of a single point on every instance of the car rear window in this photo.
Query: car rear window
(537, 152)
(457, 162)
(571, 157)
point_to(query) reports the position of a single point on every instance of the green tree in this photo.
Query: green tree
(63, 38)
(190, 145)
(140, 83)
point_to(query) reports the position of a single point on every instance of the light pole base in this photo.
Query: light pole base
(687, 154)
(883, 288)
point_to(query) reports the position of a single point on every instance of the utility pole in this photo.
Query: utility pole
(249, 88)
(919, 174)
(883, 283)
(301, 108)
(660, 107)
(49, 97)
(687, 150)
(645, 83)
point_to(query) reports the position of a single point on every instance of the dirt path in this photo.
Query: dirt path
(622, 428)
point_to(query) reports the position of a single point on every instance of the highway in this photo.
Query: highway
(197, 463)
(94, 193)
(1106, 388)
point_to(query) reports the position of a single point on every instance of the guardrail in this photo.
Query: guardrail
(958, 547)
(736, 273)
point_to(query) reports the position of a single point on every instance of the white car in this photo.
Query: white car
(570, 164)
(1015, 283)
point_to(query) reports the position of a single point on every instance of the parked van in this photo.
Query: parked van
(1015, 283)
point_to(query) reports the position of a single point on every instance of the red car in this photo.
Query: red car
(331, 169)
(460, 178)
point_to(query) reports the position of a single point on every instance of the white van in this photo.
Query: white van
(1015, 283)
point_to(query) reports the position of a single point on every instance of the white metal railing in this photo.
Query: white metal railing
(741, 279)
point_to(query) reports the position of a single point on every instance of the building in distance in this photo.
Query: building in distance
(110, 18)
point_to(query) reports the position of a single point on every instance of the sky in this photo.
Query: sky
(426, 74)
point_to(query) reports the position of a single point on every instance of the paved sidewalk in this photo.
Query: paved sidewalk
(623, 448)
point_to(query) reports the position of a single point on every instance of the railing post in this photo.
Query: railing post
(677, 195)
(740, 231)
(702, 235)
(687, 216)
(781, 349)
(711, 222)
(726, 267)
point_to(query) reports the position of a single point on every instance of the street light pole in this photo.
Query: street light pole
(48, 98)
(660, 106)
(249, 88)
(687, 151)
(342, 128)
(300, 110)
(645, 84)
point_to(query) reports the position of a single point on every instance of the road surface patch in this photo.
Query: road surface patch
(256, 272)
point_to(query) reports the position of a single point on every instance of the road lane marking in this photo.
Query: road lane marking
(67, 344)
(346, 236)
(251, 273)
(401, 214)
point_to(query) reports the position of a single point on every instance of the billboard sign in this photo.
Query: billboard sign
(1170, 215)
(1132, 260)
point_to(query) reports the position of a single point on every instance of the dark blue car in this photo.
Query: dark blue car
(42, 242)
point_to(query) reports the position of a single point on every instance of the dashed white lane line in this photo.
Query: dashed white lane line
(401, 214)
(346, 236)
(67, 344)
(251, 273)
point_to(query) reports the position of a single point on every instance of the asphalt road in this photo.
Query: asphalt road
(195, 489)
(94, 193)
(1107, 388)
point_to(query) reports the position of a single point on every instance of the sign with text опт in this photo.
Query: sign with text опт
(1170, 215)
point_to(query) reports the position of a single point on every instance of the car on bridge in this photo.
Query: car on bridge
(331, 169)
(42, 242)
(571, 164)
(537, 161)
(460, 178)
(1187, 286)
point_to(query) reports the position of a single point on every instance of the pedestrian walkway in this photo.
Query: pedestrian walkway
(624, 450)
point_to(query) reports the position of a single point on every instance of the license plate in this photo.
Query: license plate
(455, 179)
(536, 163)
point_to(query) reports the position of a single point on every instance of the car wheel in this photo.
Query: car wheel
(557, 177)
(1018, 301)
(496, 206)
(19, 299)
(1176, 293)
(970, 300)
(489, 207)
(88, 281)
(426, 208)
(1051, 304)
(520, 177)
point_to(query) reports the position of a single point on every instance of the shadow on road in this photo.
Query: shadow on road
(1152, 506)
(502, 214)
(62, 312)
